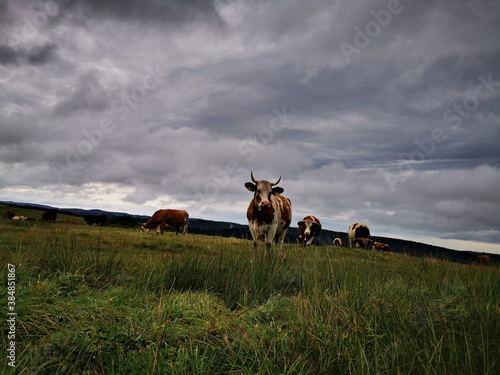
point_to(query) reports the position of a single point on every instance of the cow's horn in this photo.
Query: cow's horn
(251, 175)
(277, 182)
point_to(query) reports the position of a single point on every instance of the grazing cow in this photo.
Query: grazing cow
(49, 216)
(9, 214)
(176, 219)
(269, 213)
(21, 218)
(337, 242)
(359, 236)
(482, 260)
(379, 246)
(95, 219)
(309, 229)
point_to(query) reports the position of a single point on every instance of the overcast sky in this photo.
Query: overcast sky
(384, 112)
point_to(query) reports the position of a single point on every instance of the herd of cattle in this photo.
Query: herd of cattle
(269, 215)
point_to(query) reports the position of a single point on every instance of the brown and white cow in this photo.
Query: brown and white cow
(379, 246)
(309, 229)
(20, 218)
(269, 213)
(337, 242)
(176, 219)
(359, 236)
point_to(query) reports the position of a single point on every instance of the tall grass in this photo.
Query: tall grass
(114, 301)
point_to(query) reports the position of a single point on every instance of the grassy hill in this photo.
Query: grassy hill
(116, 301)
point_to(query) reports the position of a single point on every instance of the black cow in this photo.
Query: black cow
(95, 219)
(49, 216)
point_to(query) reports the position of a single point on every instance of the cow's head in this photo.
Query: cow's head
(263, 191)
(144, 229)
(308, 227)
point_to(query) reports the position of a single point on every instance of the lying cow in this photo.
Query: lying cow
(379, 246)
(95, 219)
(359, 236)
(337, 242)
(482, 260)
(269, 213)
(309, 229)
(176, 219)
(21, 218)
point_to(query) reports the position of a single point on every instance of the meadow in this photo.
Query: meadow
(92, 300)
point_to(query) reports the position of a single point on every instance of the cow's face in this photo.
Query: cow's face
(144, 229)
(308, 227)
(263, 190)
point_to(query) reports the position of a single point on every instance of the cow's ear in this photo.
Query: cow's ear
(300, 222)
(250, 186)
(278, 190)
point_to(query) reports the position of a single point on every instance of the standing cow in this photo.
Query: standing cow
(95, 219)
(49, 216)
(176, 219)
(269, 213)
(309, 229)
(359, 236)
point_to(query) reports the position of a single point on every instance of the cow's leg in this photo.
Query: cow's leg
(255, 235)
(280, 239)
(270, 238)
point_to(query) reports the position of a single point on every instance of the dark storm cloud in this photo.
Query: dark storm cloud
(172, 12)
(88, 95)
(38, 55)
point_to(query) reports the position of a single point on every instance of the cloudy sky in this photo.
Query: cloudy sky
(385, 112)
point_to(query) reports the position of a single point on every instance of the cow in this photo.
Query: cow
(482, 260)
(20, 218)
(9, 215)
(309, 229)
(379, 246)
(176, 219)
(269, 213)
(337, 242)
(95, 219)
(359, 236)
(49, 216)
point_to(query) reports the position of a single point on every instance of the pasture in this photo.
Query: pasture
(94, 300)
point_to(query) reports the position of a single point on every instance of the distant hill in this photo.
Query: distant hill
(228, 229)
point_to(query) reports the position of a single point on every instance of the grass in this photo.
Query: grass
(94, 300)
